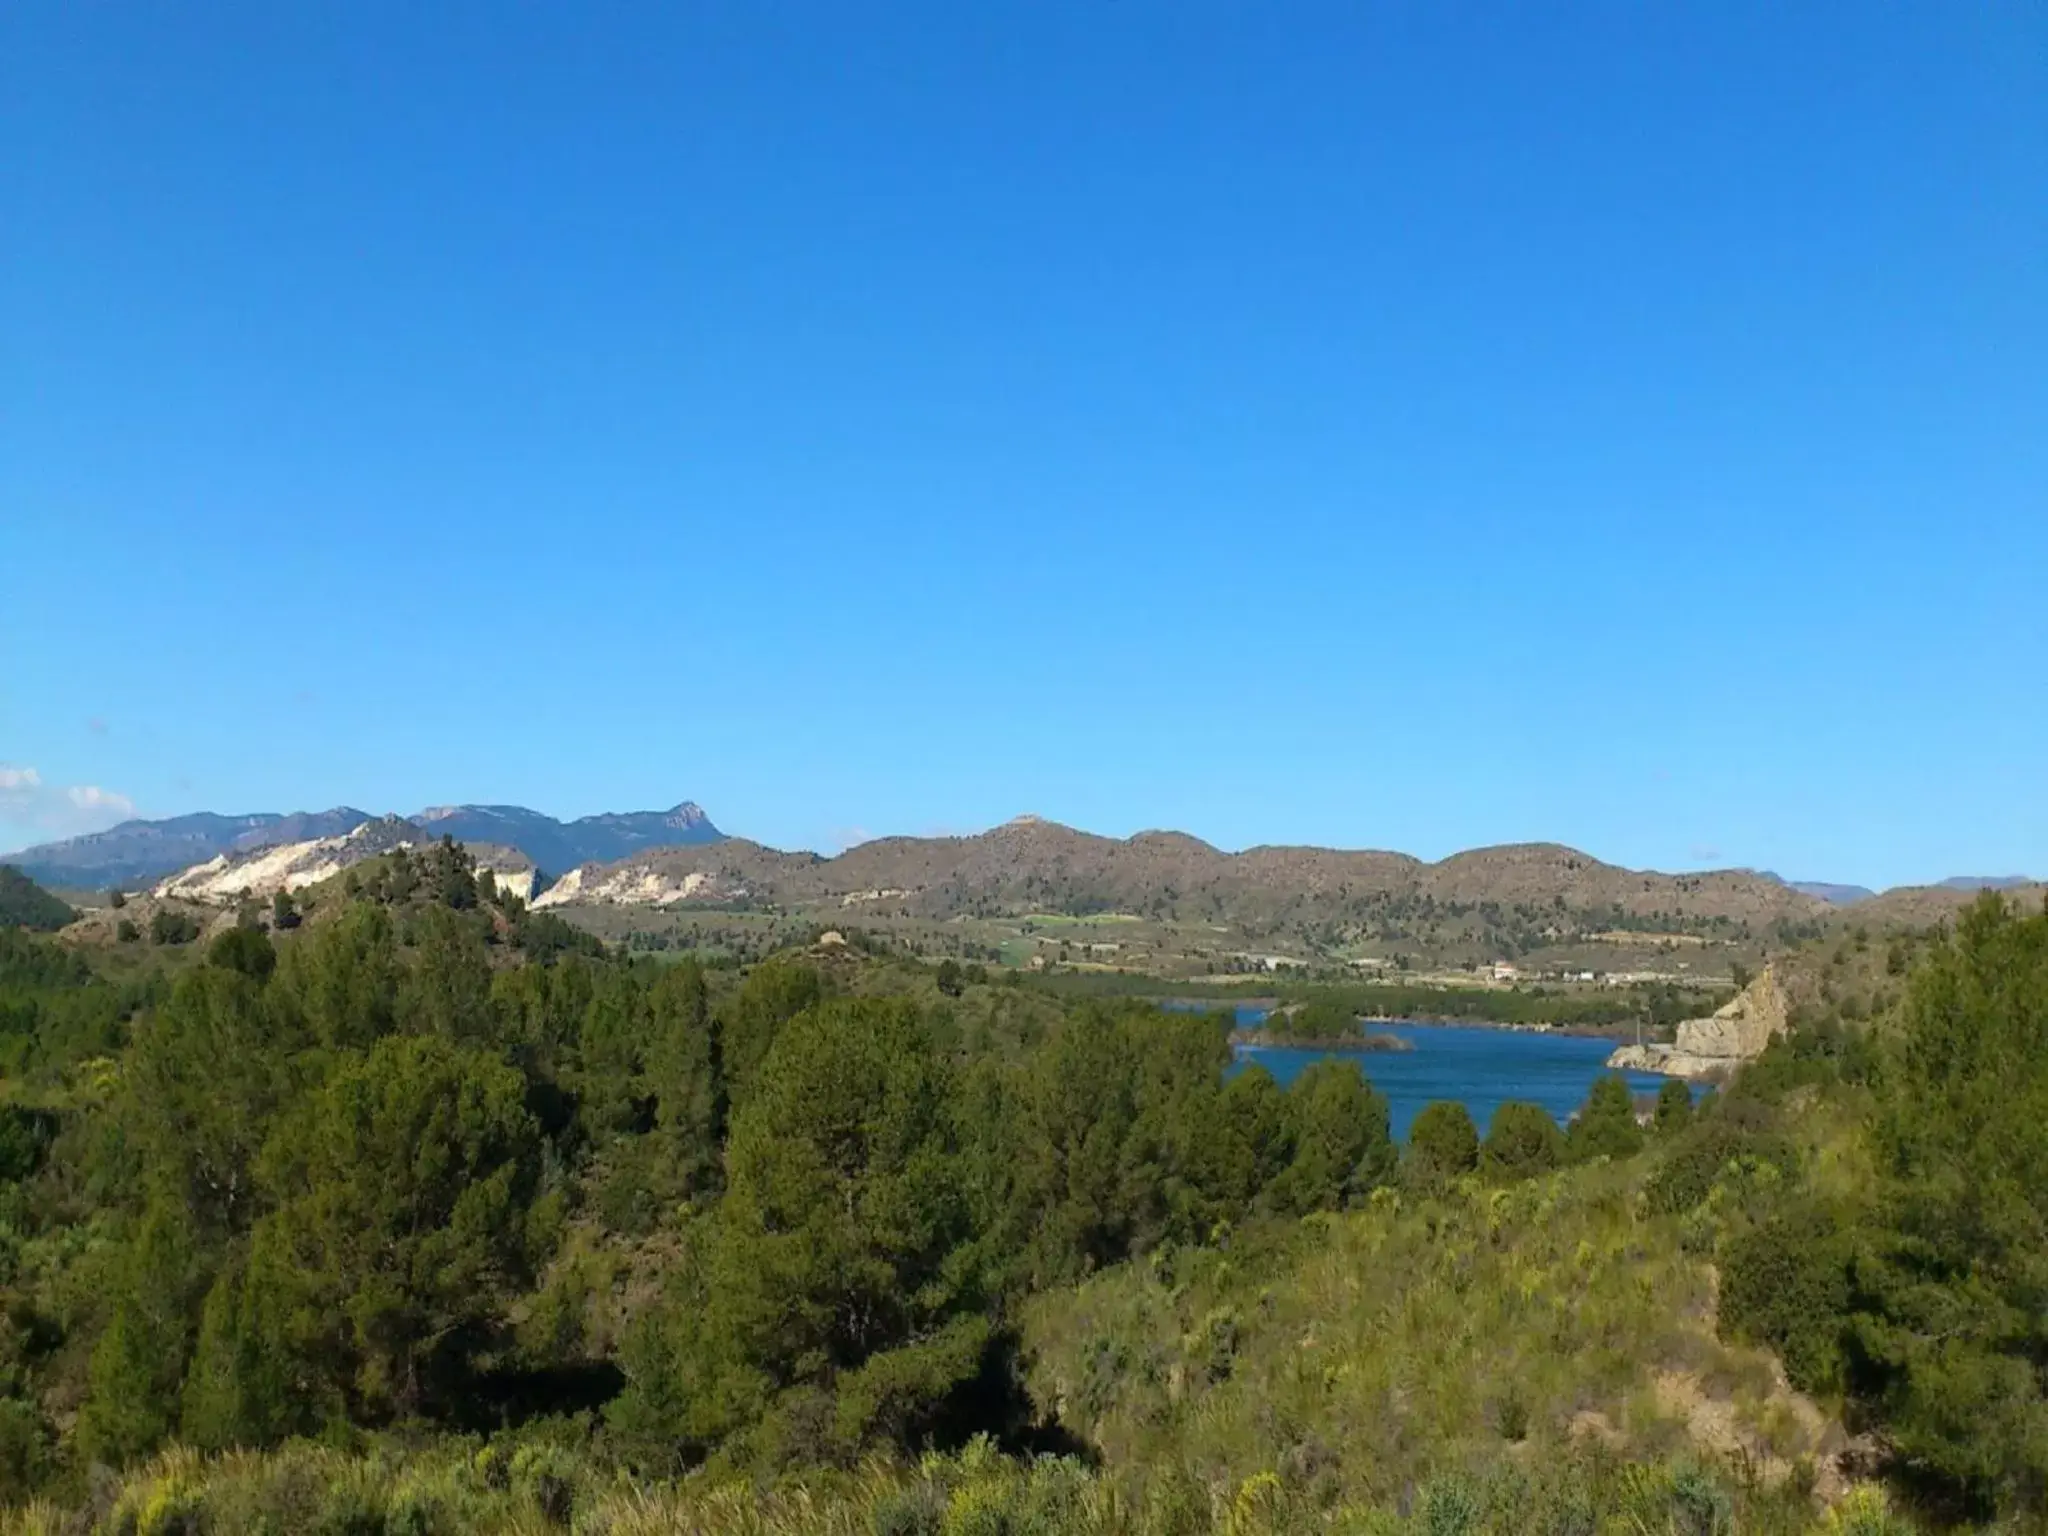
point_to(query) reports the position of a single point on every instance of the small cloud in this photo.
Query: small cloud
(97, 725)
(1699, 853)
(32, 811)
(90, 797)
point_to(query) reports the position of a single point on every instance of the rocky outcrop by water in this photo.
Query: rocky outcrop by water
(1714, 1047)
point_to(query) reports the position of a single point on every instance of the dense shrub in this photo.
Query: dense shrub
(1785, 1284)
(1697, 1156)
(1605, 1125)
(1442, 1143)
(172, 925)
(245, 950)
(1521, 1142)
(1674, 1108)
(1950, 1293)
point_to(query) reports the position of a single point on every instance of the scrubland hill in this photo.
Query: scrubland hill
(1190, 909)
(1030, 865)
(403, 1206)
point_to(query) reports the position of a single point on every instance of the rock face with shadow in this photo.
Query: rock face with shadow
(1714, 1047)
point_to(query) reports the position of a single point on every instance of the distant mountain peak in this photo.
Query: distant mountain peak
(138, 853)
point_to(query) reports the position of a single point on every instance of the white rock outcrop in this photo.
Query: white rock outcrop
(1714, 1047)
(631, 886)
(228, 877)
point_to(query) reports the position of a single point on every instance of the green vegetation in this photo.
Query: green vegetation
(424, 1212)
(24, 904)
(1655, 1007)
(1443, 1145)
(1522, 1142)
(172, 925)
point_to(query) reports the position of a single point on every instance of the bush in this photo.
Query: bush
(1674, 1108)
(1443, 1142)
(245, 950)
(1785, 1283)
(1605, 1125)
(172, 925)
(1687, 1174)
(1522, 1142)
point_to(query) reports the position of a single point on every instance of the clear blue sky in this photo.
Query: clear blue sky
(1398, 425)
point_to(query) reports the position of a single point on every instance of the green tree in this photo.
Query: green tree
(1443, 1143)
(1339, 1143)
(610, 1039)
(244, 1387)
(1950, 1289)
(446, 989)
(403, 1197)
(341, 978)
(844, 1232)
(1251, 1142)
(1521, 1142)
(685, 1076)
(132, 1382)
(774, 992)
(451, 875)
(208, 1072)
(1605, 1125)
(1674, 1107)
(1785, 1284)
(246, 950)
(284, 911)
(172, 925)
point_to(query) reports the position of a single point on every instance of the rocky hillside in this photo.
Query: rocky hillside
(140, 853)
(1922, 906)
(229, 877)
(1536, 892)
(1710, 1049)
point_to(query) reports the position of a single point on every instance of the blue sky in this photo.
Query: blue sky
(1387, 425)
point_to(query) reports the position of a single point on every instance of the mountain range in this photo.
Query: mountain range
(1031, 865)
(143, 852)
(1848, 895)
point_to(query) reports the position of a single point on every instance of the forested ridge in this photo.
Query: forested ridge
(402, 1207)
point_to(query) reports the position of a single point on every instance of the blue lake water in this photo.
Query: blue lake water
(1481, 1067)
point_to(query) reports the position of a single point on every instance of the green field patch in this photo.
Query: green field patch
(1065, 920)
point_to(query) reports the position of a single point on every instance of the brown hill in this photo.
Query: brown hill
(1922, 906)
(1528, 892)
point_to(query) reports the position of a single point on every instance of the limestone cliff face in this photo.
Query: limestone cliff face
(1740, 1028)
(231, 877)
(1714, 1047)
